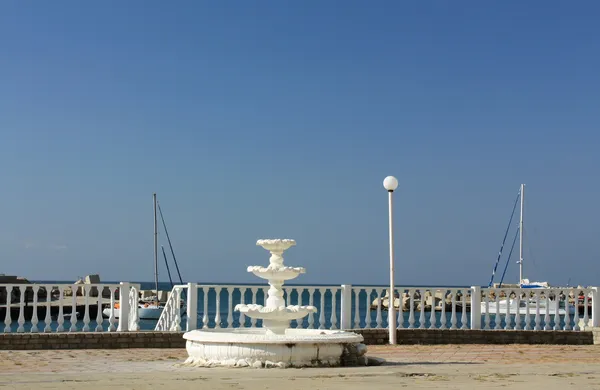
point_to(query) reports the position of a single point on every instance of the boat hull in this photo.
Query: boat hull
(501, 308)
(144, 313)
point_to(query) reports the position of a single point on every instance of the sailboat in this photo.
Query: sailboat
(150, 308)
(521, 306)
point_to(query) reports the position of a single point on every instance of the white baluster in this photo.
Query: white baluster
(74, 309)
(48, 319)
(333, 318)
(432, 319)
(411, 314)
(378, 319)
(557, 320)
(177, 322)
(229, 306)
(311, 316)
(301, 301)
(400, 319)
(498, 316)
(34, 315)
(507, 320)
(518, 315)
(254, 300)
(368, 311)
(527, 311)
(486, 319)
(242, 318)
(265, 295)
(356, 308)
(21, 320)
(287, 299)
(111, 319)
(547, 316)
(218, 306)
(422, 313)
(99, 319)
(463, 317)
(443, 313)
(567, 309)
(61, 315)
(586, 318)
(7, 317)
(538, 317)
(453, 319)
(576, 313)
(205, 291)
(86, 303)
(134, 319)
(322, 308)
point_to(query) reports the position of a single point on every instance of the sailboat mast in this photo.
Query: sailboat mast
(521, 234)
(155, 247)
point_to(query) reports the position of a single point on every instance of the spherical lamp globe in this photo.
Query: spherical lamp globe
(390, 183)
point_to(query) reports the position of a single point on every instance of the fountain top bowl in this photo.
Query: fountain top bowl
(277, 244)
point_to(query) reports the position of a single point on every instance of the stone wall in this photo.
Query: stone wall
(91, 340)
(467, 336)
(115, 340)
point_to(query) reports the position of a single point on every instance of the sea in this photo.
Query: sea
(292, 300)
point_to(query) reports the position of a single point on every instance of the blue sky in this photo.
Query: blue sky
(280, 120)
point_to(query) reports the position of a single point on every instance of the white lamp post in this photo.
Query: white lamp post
(390, 183)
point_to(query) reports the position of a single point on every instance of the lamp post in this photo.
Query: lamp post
(390, 183)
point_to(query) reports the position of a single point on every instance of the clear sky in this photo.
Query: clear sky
(280, 119)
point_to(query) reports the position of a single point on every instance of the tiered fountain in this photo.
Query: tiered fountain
(275, 344)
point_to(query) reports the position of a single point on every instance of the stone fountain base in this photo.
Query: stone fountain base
(251, 347)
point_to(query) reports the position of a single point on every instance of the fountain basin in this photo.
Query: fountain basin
(244, 347)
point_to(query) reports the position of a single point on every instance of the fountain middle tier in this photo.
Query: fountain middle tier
(276, 272)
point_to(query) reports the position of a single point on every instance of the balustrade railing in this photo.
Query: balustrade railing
(366, 307)
(68, 307)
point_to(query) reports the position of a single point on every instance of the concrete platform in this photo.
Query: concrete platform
(432, 367)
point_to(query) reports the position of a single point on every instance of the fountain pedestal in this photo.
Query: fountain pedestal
(275, 344)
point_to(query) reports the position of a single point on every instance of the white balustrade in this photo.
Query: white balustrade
(339, 307)
(45, 307)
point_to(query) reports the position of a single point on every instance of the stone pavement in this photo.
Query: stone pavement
(441, 366)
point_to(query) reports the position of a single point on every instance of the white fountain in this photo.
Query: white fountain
(275, 344)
